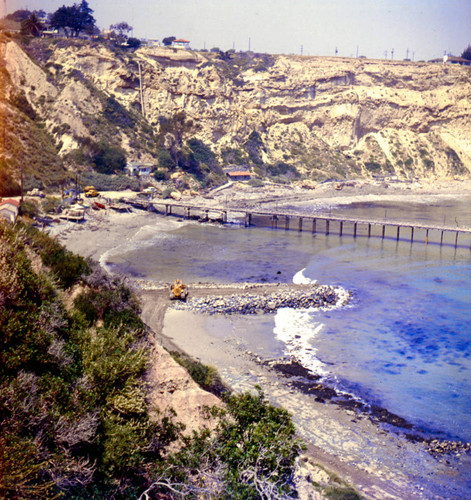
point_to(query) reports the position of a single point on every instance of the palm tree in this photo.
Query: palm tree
(32, 26)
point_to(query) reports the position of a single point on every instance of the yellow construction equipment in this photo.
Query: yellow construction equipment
(178, 290)
(91, 192)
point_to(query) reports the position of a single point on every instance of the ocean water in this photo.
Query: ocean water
(404, 342)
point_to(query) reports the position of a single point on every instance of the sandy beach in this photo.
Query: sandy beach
(346, 441)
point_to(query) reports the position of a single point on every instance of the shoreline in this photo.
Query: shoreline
(344, 426)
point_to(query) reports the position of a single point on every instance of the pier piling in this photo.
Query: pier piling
(272, 218)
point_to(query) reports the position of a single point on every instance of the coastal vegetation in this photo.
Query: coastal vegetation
(75, 418)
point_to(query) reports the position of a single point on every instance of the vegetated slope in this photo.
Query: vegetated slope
(76, 417)
(282, 116)
(24, 141)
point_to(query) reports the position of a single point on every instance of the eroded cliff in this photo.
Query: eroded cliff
(326, 117)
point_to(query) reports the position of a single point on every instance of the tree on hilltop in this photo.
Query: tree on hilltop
(120, 32)
(32, 26)
(19, 15)
(73, 20)
(467, 53)
(168, 40)
(133, 43)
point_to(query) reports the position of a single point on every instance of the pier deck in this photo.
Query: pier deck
(329, 224)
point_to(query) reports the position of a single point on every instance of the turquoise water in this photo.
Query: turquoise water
(405, 341)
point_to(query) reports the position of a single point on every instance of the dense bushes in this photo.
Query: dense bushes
(103, 182)
(74, 411)
(117, 114)
(66, 266)
(108, 159)
(250, 454)
(8, 185)
(283, 169)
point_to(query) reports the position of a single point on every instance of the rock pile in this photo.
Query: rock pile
(439, 447)
(247, 303)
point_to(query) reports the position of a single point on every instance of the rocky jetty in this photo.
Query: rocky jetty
(316, 296)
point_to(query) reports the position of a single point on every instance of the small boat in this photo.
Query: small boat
(98, 206)
(120, 207)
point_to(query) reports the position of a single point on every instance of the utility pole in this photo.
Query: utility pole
(141, 90)
(407, 54)
(392, 53)
(385, 54)
(249, 43)
(22, 178)
(301, 50)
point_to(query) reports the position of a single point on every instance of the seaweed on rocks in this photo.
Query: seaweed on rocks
(306, 382)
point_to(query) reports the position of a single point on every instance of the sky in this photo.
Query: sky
(417, 29)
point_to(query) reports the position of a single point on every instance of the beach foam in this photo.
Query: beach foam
(297, 329)
(300, 279)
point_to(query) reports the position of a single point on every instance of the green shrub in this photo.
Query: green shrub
(341, 493)
(160, 175)
(66, 266)
(205, 376)
(108, 159)
(110, 360)
(117, 114)
(202, 153)
(166, 193)
(103, 182)
(19, 100)
(284, 169)
(29, 208)
(165, 159)
(254, 442)
(50, 204)
(373, 166)
(255, 182)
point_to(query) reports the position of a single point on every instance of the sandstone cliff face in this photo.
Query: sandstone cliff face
(329, 117)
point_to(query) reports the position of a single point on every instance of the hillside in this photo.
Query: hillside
(92, 407)
(287, 117)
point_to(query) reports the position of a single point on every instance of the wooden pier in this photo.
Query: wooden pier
(316, 224)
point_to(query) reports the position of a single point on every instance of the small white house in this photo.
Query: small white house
(138, 169)
(9, 209)
(181, 44)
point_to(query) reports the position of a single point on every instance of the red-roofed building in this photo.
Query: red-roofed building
(239, 175)
(9, 209)
(181, 44)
